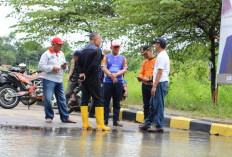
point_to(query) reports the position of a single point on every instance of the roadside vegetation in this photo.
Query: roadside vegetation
(186, 94)
(190, 28)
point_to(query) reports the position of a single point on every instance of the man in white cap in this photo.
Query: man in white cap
(114, 66)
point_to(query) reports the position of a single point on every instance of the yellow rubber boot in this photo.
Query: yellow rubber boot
(99, 113)
(84, 115)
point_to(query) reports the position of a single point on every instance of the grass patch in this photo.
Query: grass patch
(186, 94)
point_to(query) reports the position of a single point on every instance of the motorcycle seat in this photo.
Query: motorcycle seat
(28, 78)
(33, 77)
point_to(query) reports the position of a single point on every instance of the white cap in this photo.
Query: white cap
(115, 43)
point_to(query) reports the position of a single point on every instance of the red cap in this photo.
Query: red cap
(57, 40)
(115, 43)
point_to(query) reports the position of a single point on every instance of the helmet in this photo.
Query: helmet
(22, 67)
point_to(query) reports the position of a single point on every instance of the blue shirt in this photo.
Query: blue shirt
(114, 64)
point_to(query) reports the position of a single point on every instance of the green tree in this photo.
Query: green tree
(29, 52)
(44, 18)
(7, 51)
(183, 22)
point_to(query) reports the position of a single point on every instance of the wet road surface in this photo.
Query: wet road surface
(77, 142)
(23, 132)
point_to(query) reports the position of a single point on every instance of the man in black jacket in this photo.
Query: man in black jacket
(90, 70)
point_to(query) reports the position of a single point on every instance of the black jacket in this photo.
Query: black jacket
(89, 61)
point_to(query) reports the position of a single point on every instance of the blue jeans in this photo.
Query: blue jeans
(50, 88)
(156, 112)
(115, 91)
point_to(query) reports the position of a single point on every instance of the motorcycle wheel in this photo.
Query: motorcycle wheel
(6, 101)
(28, 101)
(71, 110)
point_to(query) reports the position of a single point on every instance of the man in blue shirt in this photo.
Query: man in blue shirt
(114, 66)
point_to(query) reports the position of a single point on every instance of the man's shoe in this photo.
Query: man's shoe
(143, 127)
(155, 129)
(118, 124)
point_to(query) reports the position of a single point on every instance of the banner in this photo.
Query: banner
(224, 70)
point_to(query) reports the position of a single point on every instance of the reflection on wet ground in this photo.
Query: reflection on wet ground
(76, 142)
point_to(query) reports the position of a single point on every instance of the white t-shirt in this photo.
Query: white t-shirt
(163, 63)
(48, 61)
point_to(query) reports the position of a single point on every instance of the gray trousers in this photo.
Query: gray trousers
(71, 86)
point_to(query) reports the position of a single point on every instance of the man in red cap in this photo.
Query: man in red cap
(53, 64)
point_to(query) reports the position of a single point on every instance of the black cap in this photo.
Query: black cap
(76, 53)
(160, 40)
(145, 48)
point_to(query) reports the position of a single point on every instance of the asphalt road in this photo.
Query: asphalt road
(24, 133)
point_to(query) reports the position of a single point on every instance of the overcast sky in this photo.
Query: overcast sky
(6, 22)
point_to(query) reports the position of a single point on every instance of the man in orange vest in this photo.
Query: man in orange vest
(146, 77)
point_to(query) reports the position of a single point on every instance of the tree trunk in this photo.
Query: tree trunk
(213, 69)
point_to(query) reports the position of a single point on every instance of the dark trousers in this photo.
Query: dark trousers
(146, 91)
(115, 91)
(92, 104)
(92, 108)
(92, 87)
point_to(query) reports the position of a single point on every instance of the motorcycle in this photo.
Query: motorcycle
(17, 87)
(74, 104)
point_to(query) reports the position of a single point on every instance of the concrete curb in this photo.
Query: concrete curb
(178, 122)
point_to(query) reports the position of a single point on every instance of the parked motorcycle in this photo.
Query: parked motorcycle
(17, 87)
(74, 104)
(22, 69)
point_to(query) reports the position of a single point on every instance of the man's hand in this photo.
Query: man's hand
(153, 90)
(139, 78)
(145, 79)
(114, 75)
(81, 77)
(115, 80)
(111, 76)
(64, 66)
(56, 69)
(126, 93)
